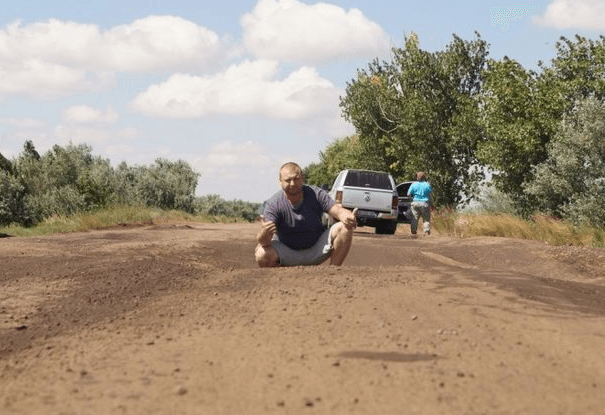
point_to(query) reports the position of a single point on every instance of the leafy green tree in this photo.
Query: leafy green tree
(578, 70)
(65, 180)
(27, 171)
(215, 205)
(418, 112)
(522, 110)
(126, 185)
(29, 150)
(571, 181)
(12, 194)
(13, 208)
(514, 125)
(344, 153)
(97, 183)
(5, 164)
(70, 179)
(167, 184)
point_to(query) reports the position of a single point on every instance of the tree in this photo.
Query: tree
(418, 112)
(68, 180)
(29, 150)
(344, 153)
(515, 126)
(578, 70)
(5, 164)
(571, 181)
(167, 184)
(13, 208)
(65, 180)
(521, 111)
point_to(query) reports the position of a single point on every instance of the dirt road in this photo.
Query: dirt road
(177, 319)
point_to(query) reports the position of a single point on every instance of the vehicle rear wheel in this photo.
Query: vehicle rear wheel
(386, 227)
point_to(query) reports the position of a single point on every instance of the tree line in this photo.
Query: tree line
(536, 137)
(70, 179)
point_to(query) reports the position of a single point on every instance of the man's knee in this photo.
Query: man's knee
(266, 257)
(341, 232)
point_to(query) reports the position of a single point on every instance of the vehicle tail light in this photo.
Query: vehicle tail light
(395, 203)
(338, 197)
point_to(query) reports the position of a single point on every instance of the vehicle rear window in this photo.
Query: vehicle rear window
(375, 180)
(402, 189)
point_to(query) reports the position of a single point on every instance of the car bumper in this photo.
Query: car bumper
(371, 215)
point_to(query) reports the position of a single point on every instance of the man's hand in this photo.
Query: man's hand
(267, 231)
(348, 218)
(351, 219)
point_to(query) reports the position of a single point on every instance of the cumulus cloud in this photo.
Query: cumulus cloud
(84, 114)
(297, 32)
(249, 88)
(159, 43)
(154, 43)
(58, 57)
(35, 77)
(574, 14)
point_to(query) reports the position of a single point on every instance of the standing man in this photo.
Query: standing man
(421, 191)
(292, 232)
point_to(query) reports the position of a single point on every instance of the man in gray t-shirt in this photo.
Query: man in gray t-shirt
(292, 232)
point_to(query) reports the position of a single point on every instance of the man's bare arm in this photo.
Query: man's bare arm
(348, 218)
(266, 233)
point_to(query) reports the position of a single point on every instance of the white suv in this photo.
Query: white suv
(374, 195)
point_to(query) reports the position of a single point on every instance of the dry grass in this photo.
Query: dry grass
(107, 218)
(444, 221)
(539, 227)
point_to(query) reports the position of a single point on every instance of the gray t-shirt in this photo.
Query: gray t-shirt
(300, 227)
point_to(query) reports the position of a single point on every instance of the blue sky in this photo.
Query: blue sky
(235, 88)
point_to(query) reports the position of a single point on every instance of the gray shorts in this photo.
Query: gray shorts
(317, 254)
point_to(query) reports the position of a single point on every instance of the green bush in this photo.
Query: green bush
(13, 207)
(69, 180)
(214, 205)
(167, 184)
(571, 182)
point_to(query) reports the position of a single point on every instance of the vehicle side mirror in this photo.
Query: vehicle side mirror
(325, 187)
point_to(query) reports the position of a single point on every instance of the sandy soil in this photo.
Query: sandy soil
(177, 319)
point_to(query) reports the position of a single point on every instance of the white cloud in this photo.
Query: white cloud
(26, 123)
(250, 88)
(574, 14)
(43, 79)
(84, 114)
(52, 41)
(56, 57)
(297, 32)
(154, 43)
(236, 170)
(159, 43)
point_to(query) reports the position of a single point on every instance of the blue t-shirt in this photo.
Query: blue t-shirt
(300, 227)
(421, 191)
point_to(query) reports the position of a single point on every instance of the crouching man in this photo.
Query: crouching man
(292, 232)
